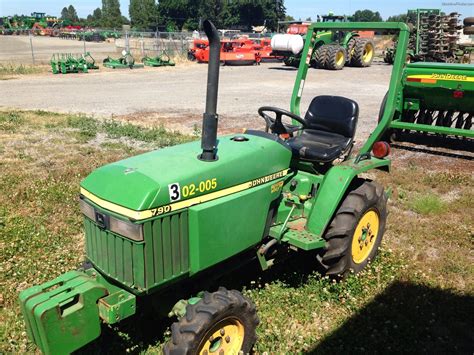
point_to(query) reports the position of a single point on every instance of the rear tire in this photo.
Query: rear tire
(222, 321)
(320, 56)
(468, 21)
(468, 30)
(336, 57)
(363, 54)
(356, 231)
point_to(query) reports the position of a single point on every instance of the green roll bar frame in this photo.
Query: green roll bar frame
(395, 86)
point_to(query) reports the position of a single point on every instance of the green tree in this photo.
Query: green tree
(143, 13)
(366, 16)
(397, 18)
(64, 13)
(95, 18)
(69, 14)
(111, 15)
(72, 13)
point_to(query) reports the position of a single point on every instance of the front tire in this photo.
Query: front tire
(221, 322)
(356, 231)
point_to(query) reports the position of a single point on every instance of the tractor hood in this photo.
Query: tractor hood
(175, 174)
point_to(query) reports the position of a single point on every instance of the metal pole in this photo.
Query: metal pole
(31, 45)
(127, 43)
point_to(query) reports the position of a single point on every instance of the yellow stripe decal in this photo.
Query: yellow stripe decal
(140, 215)
(449, 77)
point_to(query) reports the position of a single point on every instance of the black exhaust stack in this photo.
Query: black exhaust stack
(210, 117)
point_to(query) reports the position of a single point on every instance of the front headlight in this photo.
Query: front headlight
(126, 229)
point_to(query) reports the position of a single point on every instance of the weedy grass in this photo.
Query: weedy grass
(417, 295)
(13, 69)
(426, 204)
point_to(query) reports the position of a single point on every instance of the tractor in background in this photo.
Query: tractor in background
(161, 226)
(331, 49)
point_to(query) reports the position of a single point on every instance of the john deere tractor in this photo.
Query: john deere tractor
(162, 224)
(329, 49)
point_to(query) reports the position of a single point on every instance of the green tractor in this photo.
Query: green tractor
(329, 50)
(160, 226)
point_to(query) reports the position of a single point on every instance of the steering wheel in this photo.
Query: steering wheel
(275, 125)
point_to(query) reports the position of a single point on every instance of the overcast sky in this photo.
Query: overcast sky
(296, 8)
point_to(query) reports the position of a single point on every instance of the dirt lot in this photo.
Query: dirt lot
(175, 96)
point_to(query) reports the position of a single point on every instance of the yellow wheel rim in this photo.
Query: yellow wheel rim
(224, 338)
(368, 53)
(365, 235)
(340, 58)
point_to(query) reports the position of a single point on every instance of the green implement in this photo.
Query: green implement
(158, 61)
(435, 98)
(72, 63)
(125, 61)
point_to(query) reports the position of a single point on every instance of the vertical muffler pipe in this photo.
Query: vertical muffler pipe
(210, 117)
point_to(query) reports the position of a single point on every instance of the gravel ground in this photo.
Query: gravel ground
(175, 96)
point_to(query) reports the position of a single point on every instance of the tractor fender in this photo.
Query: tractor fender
(334, 187)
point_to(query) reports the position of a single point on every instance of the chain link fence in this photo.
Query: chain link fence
(38, 46)
(34, 47)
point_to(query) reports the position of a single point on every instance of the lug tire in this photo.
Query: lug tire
(357, 59)
(468, 21)
(337, 257)
(468, 30)
(332, 62)
(190, 331)
(320, 56)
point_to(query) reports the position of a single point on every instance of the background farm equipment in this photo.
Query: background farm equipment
(42, 24)
(72, 63)
(239, 51)
(165, 224)
(330, 50)
(434, 38)
(125, 61)
(436, 99)
(158, 61)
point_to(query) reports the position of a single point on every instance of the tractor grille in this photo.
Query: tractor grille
(167, 248)
(162, 256)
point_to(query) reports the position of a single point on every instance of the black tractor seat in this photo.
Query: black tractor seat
(329, 133)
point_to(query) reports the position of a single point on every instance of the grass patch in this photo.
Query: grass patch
(10, 121)
(427, 204)
(87, 128)
(12, 69)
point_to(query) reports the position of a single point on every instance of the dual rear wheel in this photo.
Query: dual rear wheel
(359, 53)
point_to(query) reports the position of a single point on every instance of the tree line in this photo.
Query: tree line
(176, 15)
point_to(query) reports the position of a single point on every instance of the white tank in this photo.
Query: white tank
(287, 43)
